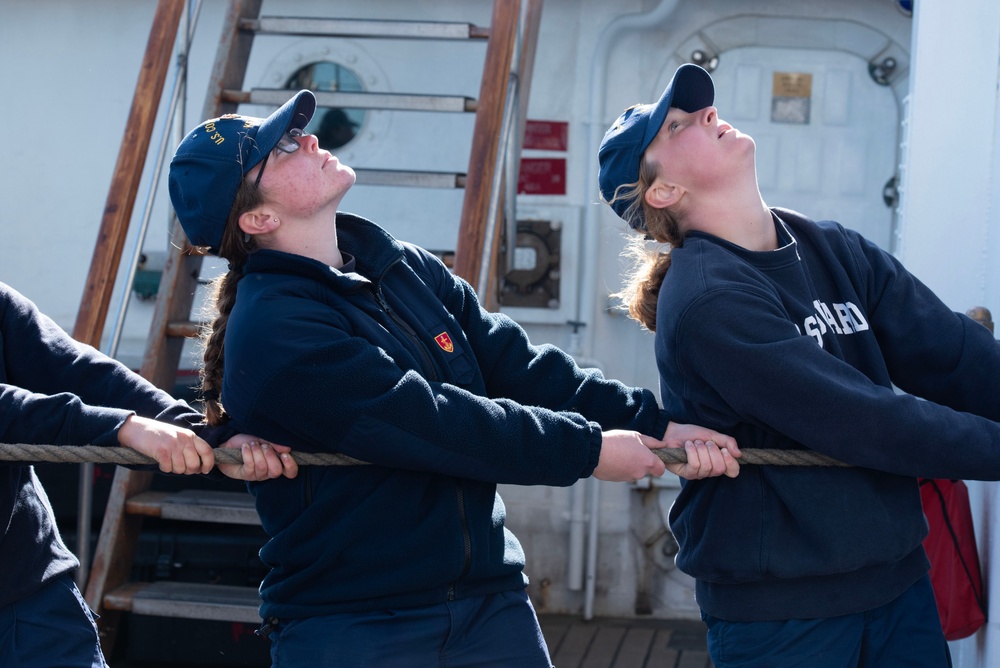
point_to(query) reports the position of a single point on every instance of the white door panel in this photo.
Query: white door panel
(836, 164)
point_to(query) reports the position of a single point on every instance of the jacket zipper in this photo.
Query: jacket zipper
(425, 356)
(466, 537)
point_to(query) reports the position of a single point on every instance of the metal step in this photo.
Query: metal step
(398, 177)
(357, 100)
(183, 599)
(195, 506)
(319, 27)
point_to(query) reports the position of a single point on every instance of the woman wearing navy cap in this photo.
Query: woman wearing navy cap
(790, 333)
(334, 336)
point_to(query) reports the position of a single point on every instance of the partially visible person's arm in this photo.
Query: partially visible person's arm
(54, 390)
(41, 358)
(57, 419)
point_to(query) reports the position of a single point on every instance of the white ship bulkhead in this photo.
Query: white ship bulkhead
(863, 113)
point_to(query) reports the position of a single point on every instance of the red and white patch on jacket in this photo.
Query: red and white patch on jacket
(444, 341)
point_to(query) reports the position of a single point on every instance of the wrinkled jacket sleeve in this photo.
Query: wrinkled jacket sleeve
(824, 403)
(360, 401)
(543, 375)
(931, 351)
(362, 404)
(56, 390)
(57, 419)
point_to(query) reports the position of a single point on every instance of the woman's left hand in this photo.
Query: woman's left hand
(709, 453)
(261, 460)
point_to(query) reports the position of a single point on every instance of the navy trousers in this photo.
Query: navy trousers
(500, 630)
(905, 633)
(52, 628)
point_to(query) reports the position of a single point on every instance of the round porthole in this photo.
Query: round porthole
(333, 126)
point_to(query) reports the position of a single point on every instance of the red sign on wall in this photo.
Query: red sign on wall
(546, 135)
(542, 176)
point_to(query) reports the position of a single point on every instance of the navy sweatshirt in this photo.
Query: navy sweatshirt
(799, 348)
(393, 361)
(55, 391)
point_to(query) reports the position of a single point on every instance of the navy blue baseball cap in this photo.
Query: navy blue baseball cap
(210, 162)
(690, 89)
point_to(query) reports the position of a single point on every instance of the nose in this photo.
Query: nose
(309, 142)
(709, 115)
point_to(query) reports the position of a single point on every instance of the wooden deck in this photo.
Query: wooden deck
(625, 643)
(163, 642)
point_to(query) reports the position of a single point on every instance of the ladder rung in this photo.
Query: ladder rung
(146, 503)
(196, 506)
(397, 177)
(184, 328)
(357, 100)
(188, 600)
(277, 25)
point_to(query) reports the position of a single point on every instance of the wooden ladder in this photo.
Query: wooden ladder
(497, 135)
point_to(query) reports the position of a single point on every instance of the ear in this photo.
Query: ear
(257, 222)
(662, 195)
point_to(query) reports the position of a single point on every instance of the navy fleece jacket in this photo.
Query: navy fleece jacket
(799, 348)
(392, 360)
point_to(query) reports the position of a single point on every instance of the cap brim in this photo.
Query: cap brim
(690, 89)
(292, 115)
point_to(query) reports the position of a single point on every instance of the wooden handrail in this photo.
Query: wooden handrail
(473, 248)
(529, 43)
(486, 140)
(94, 302)
(128, 171)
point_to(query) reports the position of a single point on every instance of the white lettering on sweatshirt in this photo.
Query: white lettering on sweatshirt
(841, 319)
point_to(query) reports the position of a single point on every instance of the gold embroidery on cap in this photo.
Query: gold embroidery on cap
(214, 136)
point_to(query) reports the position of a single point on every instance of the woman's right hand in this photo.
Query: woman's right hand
(626, 456)
(706, 460)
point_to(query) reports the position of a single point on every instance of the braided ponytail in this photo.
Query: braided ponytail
(235, 247)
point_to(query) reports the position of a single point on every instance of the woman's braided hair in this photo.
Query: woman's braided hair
(236, 248)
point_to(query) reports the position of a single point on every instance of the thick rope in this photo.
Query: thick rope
(76, 454)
